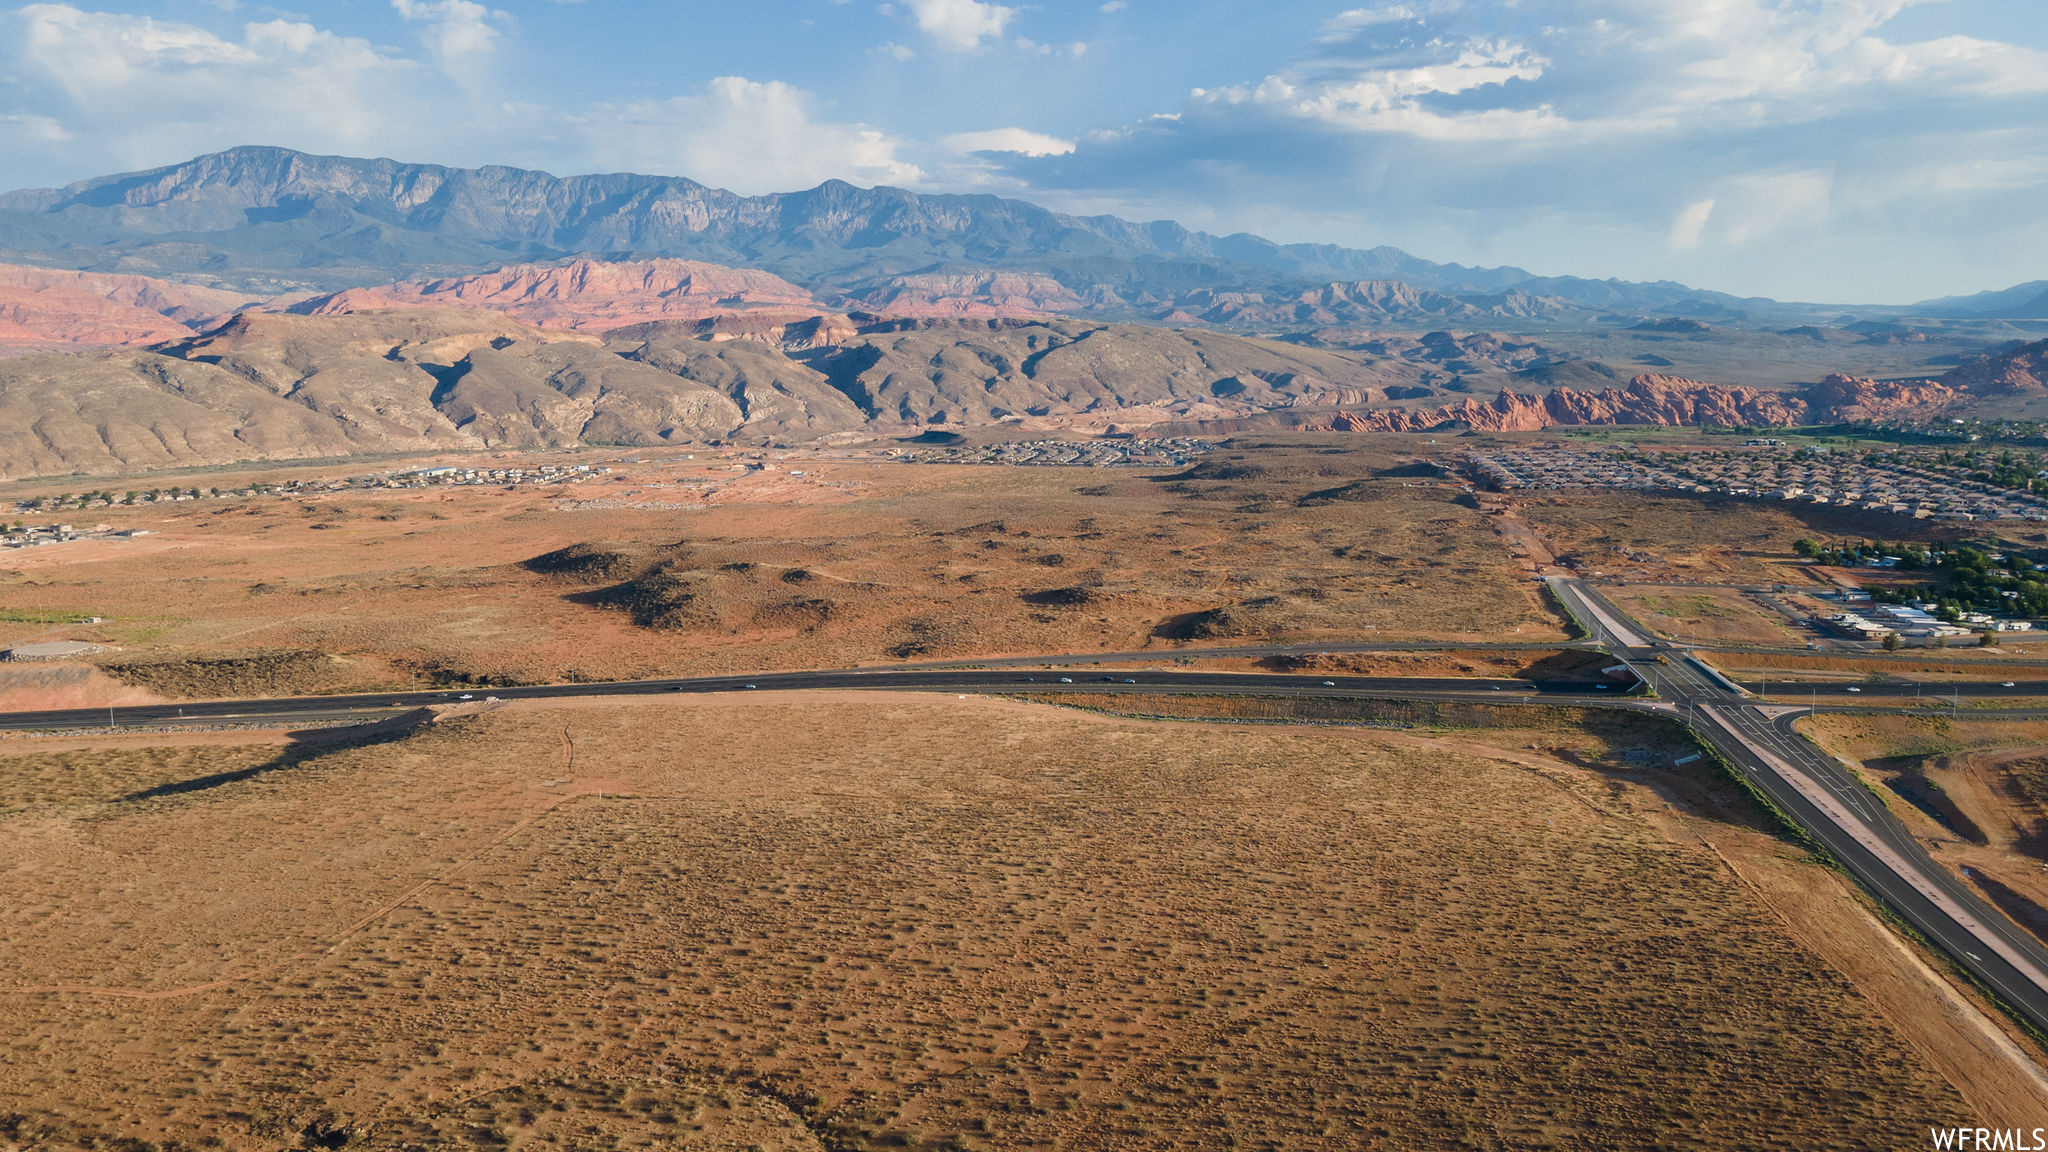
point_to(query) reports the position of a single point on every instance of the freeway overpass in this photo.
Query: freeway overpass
(1829, 804)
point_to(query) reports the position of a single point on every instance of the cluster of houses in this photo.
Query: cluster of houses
(1564, 470)
(1918, 487)
(1168, 452)
(490, 477)
(414, 478)
(14, 536)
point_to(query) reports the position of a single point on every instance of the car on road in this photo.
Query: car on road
(1853, 688)
(1329, 683)
(465, 696)
(2005, 684)
(1129, 681)
(746, 685)
(1066, 679)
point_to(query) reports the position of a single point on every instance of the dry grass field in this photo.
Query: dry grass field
(1676, 539)
(866, 921)
(1704, 615)
(856, 562)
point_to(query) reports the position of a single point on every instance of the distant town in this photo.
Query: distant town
(1920, 484)
(1111, 453)
(411, 478)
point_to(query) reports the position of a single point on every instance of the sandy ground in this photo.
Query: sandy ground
(912, 921)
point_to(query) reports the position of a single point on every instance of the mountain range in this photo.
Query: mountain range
(272, 221)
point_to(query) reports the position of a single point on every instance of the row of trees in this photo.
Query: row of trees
(1911, 556)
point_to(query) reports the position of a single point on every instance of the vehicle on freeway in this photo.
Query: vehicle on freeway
(1853, 688)
(1329, 683)
(2005, 684)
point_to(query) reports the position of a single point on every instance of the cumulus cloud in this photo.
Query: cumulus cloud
(747, 135)
(148, 91)
(458, 32)
(960, 25)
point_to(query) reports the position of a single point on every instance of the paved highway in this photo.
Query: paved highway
(312, 709)
(1830, 805)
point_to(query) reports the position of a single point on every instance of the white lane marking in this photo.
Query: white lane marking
(1822, 800)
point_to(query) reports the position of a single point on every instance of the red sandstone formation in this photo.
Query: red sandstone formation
(585, 295)
(48, 307)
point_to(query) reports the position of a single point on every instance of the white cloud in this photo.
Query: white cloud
(1689, 223)
(897, 52)
(1347, 24)
(960, 25)
(1812, 144)
(146, 91)
(1113, 6)
(459, 33)
(1017, 140)
(1396, 99)
(745, 135)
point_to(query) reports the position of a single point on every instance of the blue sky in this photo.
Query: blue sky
(1855, 151)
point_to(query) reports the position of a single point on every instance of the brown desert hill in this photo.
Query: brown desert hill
(44, 307)
(975, 293)
(480, 377)
(778, 397)
(130, 410)
(586, 295)
(277, 387)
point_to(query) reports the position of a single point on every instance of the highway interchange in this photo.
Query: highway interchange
(1816, 793)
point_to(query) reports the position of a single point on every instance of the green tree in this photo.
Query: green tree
(1988, 639)
(1806, 548)
(1891, 641)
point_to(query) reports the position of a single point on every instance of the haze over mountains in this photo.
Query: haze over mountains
(264, 304)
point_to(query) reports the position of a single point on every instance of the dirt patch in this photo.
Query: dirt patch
(49, 687)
